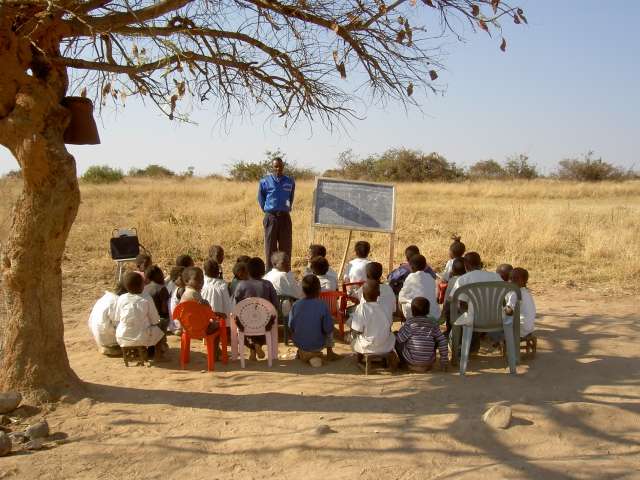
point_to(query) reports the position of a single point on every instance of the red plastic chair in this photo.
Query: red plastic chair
(334, 301)
(194, 318)
(346, 287)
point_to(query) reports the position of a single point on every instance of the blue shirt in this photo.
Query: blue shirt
(276, 194)
(311, 322)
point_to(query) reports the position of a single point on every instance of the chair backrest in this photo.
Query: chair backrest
(346, 287)
(254, 313)
(332, 299)
(194, 317)
(487, 301)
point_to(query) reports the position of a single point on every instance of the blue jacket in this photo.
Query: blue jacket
(276, 195)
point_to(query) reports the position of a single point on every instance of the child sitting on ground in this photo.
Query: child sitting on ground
(184, 261)
(387, 298)
(457, 269)
(456, 250)
(418, 284)
(143, 261)
(316, 250)
(504, 270)
(311, 323)
(215, 290)
(156, 290)
(281, 276)
(520, 276)
(239, 273)
(320, 268)
(417, 339)
(356, 268)
(371, 327)
(398, 276)
(102, 322)
(137, 318)
(216, 252)
(256, 286)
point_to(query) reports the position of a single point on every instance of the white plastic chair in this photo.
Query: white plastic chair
(254, 314)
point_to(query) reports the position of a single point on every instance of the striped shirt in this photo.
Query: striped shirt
(419, 337)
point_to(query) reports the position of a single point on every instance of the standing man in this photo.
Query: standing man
(275, 196)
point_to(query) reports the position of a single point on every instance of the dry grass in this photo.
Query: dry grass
(564, 233)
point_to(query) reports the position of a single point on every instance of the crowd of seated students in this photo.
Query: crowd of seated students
(139, 311)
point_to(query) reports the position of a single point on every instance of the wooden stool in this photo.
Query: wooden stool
(130, 354)
(388, 361)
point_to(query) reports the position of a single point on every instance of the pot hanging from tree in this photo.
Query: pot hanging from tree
(82, 129)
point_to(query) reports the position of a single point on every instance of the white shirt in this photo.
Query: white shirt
(419, 284)
(527, 310)
(387, 299)
(137, 319)
(327, 283)
(331, 275)
(446, 273)
(216, 292)
(285, 283)
(372, 321)
(102, 322)
(356, 270)
(474, 276)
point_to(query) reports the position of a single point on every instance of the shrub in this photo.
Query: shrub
(155, 171)
(518, 166)
(489, 169)
(102, 174)
(590, 169)
(252, 171)
(13, 175)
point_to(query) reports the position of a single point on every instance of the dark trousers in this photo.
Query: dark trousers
(277, 235)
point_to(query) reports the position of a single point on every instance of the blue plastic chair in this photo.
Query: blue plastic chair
(487, 299)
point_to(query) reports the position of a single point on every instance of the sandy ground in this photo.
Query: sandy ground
(576, 412)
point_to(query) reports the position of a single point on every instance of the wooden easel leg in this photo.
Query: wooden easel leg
(392, 245)
(344, 257)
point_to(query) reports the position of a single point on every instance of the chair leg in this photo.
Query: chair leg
(224, 344)
(269, 337)
(511, 347)
(234, 338)
(185, 346)
(366, 364)
(534, 344)
(341, 326)
(240, 348)
(456, 333)
(467, 334)
(210, 353)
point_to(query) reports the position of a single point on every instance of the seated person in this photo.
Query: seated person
(239, 273)
(315, 251)
(320, 268)
(102, 322)
(418, 284)
(184, 261)
(216, 252)
(143, 261)
(215, 290)
(419, 337)
(456, 250)
(457, 269)
(520, 276)
(387, 298)
(256, 286)
(355, 271)
(311, 323)
(137, 318)
(371, 327)
(157, 292)
(281, 276)
(397, 277)
(193, 278)
(504, 270)
(176, 293)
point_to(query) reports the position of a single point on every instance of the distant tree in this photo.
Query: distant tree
(591, 169)
(489, 169)
(153, 171)
(518, 166)
(13, 174)
(252, 171)
(102, 174)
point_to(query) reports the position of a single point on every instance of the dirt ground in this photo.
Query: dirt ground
(576, 409)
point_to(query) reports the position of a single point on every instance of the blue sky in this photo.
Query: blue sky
(568, 83)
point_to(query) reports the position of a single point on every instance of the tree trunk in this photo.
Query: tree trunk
(33, 358)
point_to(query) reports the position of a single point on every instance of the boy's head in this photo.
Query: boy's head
(240, 271)
(154, 274)
(410, 251)
(374, 271)
(143, 261)
(133, 282)
(243, 259)
(280, 260)
(184, 261)
(310, 286)
(472, 261)
(175, 273)
(216, 252)
(319, 265)
(316, 250)
(457, 267)
(193, 277)
(457, 248)
(211, 268)
(420, 307)
(362, 249)
(519, 276)
(255, 267)
(371, 290)
(119, 288)
(418, 263)
(504, 270)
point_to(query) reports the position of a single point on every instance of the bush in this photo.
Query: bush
(252, 171)
(102, 174)
(399, 165)
(487, 169)
(13, 175)
(590, 169)
(518, 166)
(154, 171)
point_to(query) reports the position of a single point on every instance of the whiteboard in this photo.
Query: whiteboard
(354, 205)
